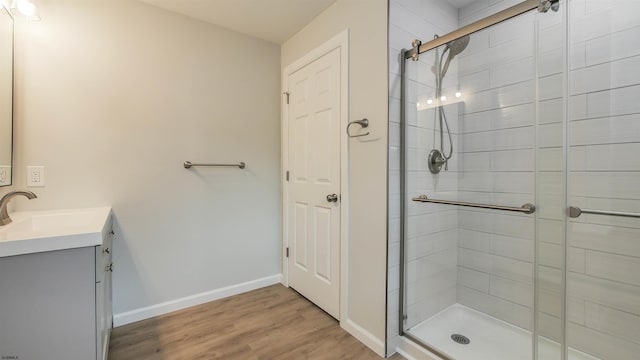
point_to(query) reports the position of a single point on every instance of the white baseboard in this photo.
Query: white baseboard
(364, 336)
(193, 300)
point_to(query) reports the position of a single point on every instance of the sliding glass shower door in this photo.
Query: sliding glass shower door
(470, 140)
(521, 187)
(603, 262)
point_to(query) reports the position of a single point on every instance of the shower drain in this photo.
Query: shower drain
(460, 339)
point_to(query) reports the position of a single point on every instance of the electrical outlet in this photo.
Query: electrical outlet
(5, 175)
(35, 176)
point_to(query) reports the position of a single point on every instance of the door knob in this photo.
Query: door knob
(332, 198)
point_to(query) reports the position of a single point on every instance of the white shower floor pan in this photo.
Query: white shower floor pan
(490, 338)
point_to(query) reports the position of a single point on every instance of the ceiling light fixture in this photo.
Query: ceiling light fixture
(26, 8)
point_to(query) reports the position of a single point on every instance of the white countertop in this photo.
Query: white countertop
(50, 230)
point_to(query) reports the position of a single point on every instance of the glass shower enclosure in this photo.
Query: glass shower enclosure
(520, 184)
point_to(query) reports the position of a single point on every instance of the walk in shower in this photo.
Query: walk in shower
(515, 178)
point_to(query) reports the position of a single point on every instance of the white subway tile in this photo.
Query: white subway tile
(594, 24)
(476, 181)
(550, 38)
(621, 185)
(473, 279)
(512, 247)
(476, 260)
(608, 130)
(512, 160)
(550, 159)
(613, 267)
(516, 270)
(474, 240)
(610, 75)
(472, 83)
(550, 302)
(576, 261)
(550, 327)
(550, 63)
(612, 239)
(513, 116)
(550, 135)
(550, 255)
(577, 55)
(613, 102)
(551, 231)
(550, 206)
(512, 72)
(510, 290)
(476, 161)
(505, 310)
(610, 47)
(599, 344)
(517, 29)
(550, 111)
(614, 157)
(549, 278)
(513, 182)
(551, 183)
(611, 321)
(606, 292)
(550, 87)
(515, 138)
(578, 107)
(511, 95)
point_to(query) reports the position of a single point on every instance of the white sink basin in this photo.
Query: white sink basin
(39, 231)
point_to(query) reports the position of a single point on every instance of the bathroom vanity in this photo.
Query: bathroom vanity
(55, 285)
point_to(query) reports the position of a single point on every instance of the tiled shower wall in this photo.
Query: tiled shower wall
(506, 153)
(431, 232)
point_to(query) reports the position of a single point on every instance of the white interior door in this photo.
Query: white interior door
(314, 185)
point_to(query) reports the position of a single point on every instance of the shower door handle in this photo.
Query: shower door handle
(332, 198)
(575, 212)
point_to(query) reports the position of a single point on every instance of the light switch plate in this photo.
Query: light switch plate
(35, 176)
(5, 175)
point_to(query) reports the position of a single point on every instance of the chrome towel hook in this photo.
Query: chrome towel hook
(364, 123)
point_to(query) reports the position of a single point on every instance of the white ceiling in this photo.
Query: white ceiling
(461, 3)
(271, 20)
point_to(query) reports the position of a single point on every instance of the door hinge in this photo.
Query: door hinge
(287, 95)
(287, 175)
(287, 252)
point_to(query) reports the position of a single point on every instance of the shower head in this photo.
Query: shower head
(458, 45)
(454, 47)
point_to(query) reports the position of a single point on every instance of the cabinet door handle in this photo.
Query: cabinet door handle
(109, 268)
(106, 251)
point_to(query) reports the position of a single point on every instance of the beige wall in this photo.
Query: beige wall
(367, 24)
(112, 96)
(6, 86)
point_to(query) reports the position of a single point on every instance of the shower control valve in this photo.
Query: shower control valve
(435, 161)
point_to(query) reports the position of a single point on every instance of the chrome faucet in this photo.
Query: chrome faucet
(4, 214)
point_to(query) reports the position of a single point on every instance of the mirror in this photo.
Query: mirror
(6, 96)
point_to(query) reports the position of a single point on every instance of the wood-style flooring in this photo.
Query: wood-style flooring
(270, 323)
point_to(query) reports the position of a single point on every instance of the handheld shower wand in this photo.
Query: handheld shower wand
(438, 158)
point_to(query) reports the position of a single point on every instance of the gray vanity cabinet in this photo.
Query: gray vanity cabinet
(57, 304)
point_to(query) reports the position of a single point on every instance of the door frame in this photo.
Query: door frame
(340, 41)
